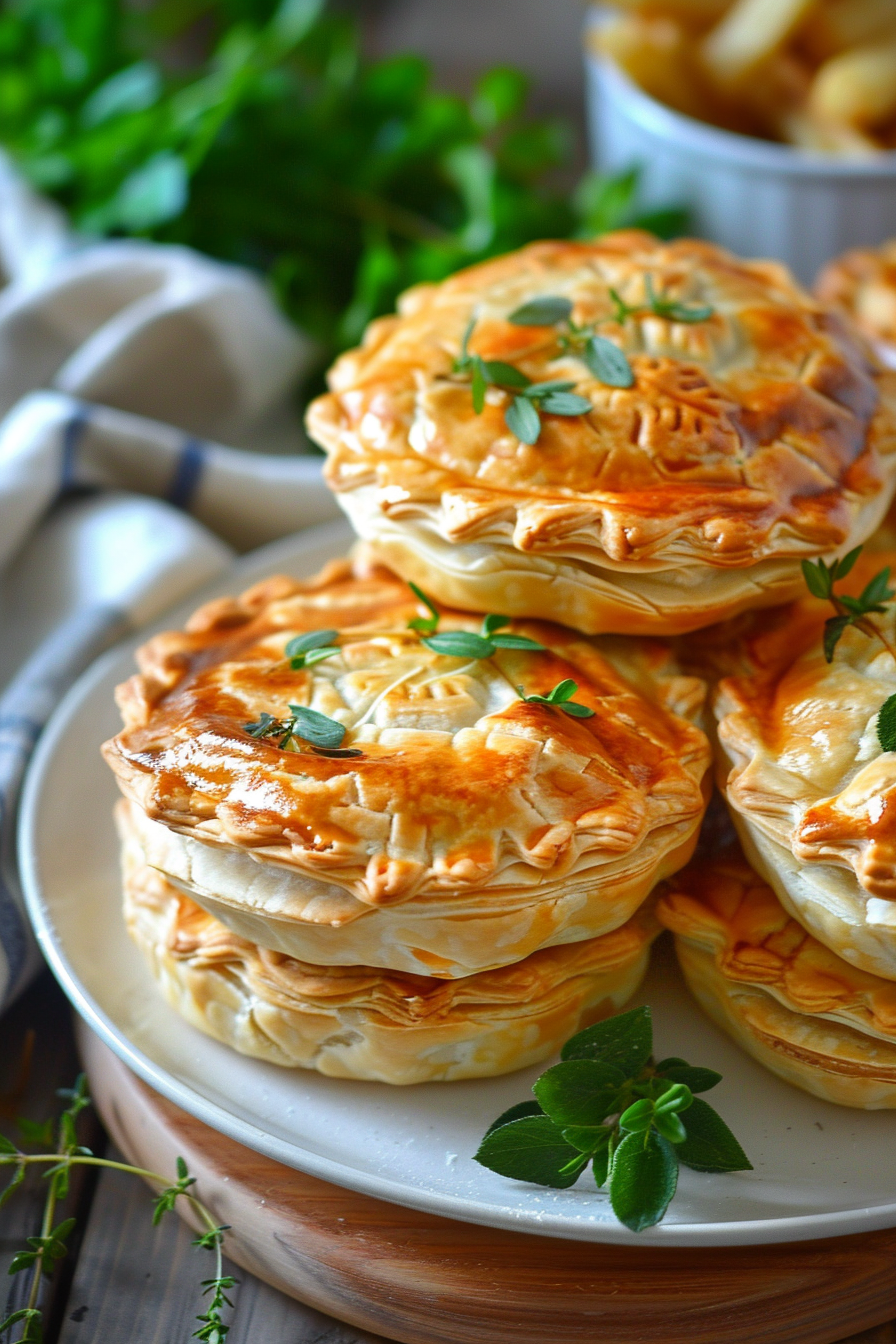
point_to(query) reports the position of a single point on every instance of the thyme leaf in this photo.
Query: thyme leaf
(820, 580)
(559, 698)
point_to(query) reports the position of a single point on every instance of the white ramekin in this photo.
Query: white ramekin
(757, 198)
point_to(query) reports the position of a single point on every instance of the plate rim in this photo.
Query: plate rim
(251, 568)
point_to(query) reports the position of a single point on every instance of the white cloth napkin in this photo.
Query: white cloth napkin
(124, 368)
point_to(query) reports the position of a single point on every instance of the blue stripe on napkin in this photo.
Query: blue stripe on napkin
(72, 434)
(187, 474)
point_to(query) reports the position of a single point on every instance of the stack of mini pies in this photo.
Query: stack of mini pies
(409, 820)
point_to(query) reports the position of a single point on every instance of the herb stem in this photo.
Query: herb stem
(45, 1230)
(866, 625)
(79, 1160)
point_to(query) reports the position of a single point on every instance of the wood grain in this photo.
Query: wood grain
(37, 1056)
(422, 1279)
(141, 1284)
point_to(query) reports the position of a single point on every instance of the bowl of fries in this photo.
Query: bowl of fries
(774, 120)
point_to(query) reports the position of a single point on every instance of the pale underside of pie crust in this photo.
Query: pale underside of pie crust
(502, 826)
(761, 435)
(365, 1023)
(447, 936)
(811, 791)
(804, 1013)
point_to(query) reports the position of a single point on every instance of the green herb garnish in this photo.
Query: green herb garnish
(428, 624)
(530, 400)
(463, 643)
(674, 310)
(609, 1105)
(603, 359)
(50, 1245)
(820, 579)
(559, 698)
(308, 725)
(547, 311)
(886, 724)
(306, 650)
(657, 304)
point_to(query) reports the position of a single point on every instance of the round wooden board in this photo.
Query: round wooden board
(423, 1279)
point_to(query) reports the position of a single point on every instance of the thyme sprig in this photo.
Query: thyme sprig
(559, 698)
(306, 650)
(529, 400)
(660, 306)
(608, 1105)
(45, 1250)
(323, 734)
(820, 580)
(601, 356)
(464, 643)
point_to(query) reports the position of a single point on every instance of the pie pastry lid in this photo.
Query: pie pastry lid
(762, 435)
(365, 1023)
(459, 787)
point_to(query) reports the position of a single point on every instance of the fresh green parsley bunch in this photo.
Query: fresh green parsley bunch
(257, 132)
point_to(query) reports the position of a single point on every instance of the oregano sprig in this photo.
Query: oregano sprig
(607, 1104)
(50, 1246)
(820, 580)
(559, 698)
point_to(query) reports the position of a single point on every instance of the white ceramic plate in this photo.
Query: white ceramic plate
(820, 1170)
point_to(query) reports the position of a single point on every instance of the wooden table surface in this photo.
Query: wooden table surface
(126, 1282)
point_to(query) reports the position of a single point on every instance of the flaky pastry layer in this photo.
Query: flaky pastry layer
(747, 441)
(804, 1013)
(811, 792)
(464, 795)
(360, 1022)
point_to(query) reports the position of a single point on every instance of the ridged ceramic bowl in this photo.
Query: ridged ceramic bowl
(757, 198)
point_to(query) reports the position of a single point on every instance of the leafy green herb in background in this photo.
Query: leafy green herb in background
(257, 133)
(608, 1105)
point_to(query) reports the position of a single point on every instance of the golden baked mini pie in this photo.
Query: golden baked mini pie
(863, 284)
(810, 788)
(702, 424)
(811, 1018)
(363, 1022)
(450, 826)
